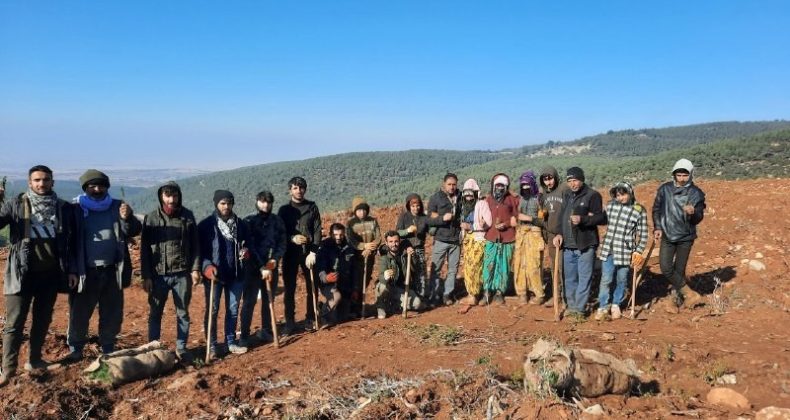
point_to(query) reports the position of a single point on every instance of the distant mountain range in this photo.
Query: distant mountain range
(721, 149)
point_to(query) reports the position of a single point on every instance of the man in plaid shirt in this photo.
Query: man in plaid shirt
(623, 244)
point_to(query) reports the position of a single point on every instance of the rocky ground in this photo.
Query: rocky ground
(445, 364)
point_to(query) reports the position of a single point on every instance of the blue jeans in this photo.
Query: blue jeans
(233, 290)
(181, 285)
(578, 269)
(437, 288)
(608, 270)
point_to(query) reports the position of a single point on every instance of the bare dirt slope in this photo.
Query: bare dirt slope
(449, 365)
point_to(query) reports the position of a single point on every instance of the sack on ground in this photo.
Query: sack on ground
(130, 365)
(585, 372)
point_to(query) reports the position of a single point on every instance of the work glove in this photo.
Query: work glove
(411, 229)
(389, 274)
(637, 260)
(210, 272)
(244, 254)
(299, 239)
(370, 246)
(309, 261)
(271, 264)
(365, 253)
(266, 275)
(331, 278)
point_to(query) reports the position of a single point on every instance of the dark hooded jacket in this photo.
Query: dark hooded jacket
(169, 244)
(334, 258)
(268, 239)
(588, 204)
(13, 214)
(552, 200)
(502, 212)
(668, 214)
(406, 219)
(439, 205)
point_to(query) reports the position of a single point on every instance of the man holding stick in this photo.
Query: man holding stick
(391, 282)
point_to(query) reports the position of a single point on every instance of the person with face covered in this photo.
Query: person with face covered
(224, 253)
(473, 212)
(412, 225)
(267, 247)
(40, 228)
(623, 245)
(677, 210)
(170, 261)
(528, 249)
(500, 237)
(580, 215)
(335, 265)
(101, 267)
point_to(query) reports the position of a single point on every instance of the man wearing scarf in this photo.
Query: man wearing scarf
(499, 240)
(224, 254)
(101, 267)
(40, 227)
(170, 260)
(528, 250)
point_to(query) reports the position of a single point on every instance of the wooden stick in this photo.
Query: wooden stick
(268, 285)
(556, 284)
(408, 280)
(210, 318)
(314, 285)
(364, 278)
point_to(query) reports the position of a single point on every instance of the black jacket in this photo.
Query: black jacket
(301, 219)
(588, 204)
(668, 214)
(334, 258)
(438, 206)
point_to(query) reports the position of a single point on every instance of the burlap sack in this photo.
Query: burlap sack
(129, 365)
(587, 373)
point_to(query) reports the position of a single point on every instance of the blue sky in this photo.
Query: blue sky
(226, 84)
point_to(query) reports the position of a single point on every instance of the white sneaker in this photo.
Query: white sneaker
(237, 349)
(616, 314)
(600, 314)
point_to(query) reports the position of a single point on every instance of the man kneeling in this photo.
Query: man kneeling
(391, 282)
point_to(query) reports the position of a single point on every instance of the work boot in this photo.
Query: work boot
(40, 366)
(469, 300)
(672, 304)
(264, 336)
(290, 327)
(690, 297)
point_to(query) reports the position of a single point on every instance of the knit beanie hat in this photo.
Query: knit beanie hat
(95, 177)
(220, 195)
(575, 173)
(359, 203)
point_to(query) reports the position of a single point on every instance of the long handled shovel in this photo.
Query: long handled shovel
(268, 285)
(210, 311)
(406, 292)
(555, 291)
(314, 286)
(638, 278)
(364, 277)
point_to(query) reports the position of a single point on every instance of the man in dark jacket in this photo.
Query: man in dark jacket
(170, 261)
(40, 228)
(580, 215)
(101, 267)
(444, 214)
(224, 255)
(551, 201)
(391, 282)
(303, 229)
(335, 266)
(677, 210)
(268, 246)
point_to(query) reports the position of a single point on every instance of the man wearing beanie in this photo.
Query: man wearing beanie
(677, 210)
(303, 230)
(170, 261)
(41, 223)
(580, 215)
(268, 247)
(101, 266)
(224, 255)
(364, 236)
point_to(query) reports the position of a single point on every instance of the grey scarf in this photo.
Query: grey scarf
(43, 207)
(228, 229)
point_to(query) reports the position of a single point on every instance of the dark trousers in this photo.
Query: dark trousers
(673, 260)
(252, 286)
(291, 265)
(101, 288)
(39, 290)
(357, 281)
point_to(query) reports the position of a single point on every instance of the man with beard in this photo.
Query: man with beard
(170, 261)
(677, 210)
(580, 215)
(101, 267)
(303, 229)
(40, 227)
(499, 240)
(528, 250)
(268, 246)
(391, 282)
(444, 215)
(224, 254)
(335, 266)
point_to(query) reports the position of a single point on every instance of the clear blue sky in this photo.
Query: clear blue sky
(228, 84)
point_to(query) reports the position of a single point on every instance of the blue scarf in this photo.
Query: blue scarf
(88, 204)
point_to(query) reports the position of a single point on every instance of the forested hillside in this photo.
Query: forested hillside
(724, 150)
